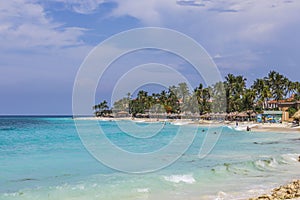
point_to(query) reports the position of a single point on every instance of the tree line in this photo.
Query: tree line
(231, 95)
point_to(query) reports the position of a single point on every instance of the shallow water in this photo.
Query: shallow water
(44, 158)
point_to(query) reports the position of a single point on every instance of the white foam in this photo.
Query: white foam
(180, 123)
(189, 179)
(242, 127)
(139, 121)
(221, 195)
(290, 157)
(143, 190)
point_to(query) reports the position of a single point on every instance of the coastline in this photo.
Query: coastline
(242, 126)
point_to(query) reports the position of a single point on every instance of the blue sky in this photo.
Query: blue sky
(43, 43)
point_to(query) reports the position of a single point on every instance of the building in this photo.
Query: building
(270, 116)
(286, 105)
(283, 106)
(273, 104)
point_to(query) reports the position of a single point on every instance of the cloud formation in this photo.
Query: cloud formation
(82, 6)
(25, 24)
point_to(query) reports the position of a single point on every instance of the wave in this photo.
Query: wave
(143, 190)
(187, 178)
(242, 128)
(180, 123)
(7, 128)
(264, 164)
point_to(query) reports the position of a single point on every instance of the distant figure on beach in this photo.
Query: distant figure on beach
(248, 128)
(236, 123)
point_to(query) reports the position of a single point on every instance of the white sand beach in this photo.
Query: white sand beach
(242, 126)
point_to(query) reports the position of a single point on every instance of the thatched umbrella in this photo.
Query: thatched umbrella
(205, 116)
(232, 114)
(242, 114)
(297, 115)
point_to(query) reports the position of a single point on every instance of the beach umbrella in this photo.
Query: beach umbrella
(123, 113)
(242, 114)
(205, 116)
(297, 115)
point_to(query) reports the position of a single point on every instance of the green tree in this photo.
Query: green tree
(262, 92)
(203, 97)
(219, 98)
(235, 87)
(278, 85)
(102, 109)
(248, 99)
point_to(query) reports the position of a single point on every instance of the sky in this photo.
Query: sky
(44, 42)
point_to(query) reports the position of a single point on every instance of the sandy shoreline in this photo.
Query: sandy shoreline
(242, 126)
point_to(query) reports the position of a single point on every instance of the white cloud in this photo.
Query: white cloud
(146, 11)
(82, 6)
(24, 24)
(255, 17)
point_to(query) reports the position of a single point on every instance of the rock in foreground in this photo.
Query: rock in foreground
(289, 191)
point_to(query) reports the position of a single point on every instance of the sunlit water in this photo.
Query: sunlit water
(43, 158)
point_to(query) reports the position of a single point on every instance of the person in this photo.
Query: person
(236, 123)
(248, 128)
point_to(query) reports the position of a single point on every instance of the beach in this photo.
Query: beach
(255, 126)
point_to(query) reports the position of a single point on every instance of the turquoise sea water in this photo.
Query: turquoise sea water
(44, 158)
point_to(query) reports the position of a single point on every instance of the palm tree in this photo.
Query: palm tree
(290, 88)
(278, 84)
(297, 90)
(183, 91)
(248, 99)
(101, 109)
(262, 92)
(219, 98)
(172, 102)
(142, 101)
(203, 95)
(234, 87)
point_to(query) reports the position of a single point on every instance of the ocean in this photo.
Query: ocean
(44, 158)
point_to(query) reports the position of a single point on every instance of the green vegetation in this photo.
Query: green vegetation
(102, 109)
(229, 96)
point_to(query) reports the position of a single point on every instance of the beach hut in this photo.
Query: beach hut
(122, 114)
(297, 115)
(220, 116)
(206, 116)
(242, 116)
(253, 115)
(231, 116)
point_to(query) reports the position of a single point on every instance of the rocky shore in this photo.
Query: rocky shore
(289, 191)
